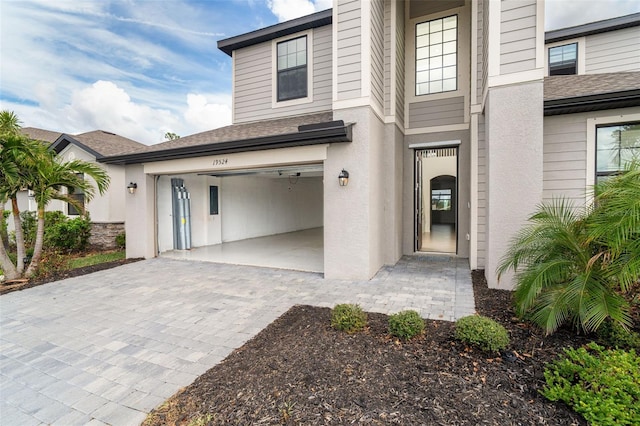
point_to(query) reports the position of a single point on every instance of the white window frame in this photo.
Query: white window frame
(581, 63)
(274, 71)
(592, 124)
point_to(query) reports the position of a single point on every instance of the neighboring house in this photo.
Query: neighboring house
(107, 210)
(440, 112)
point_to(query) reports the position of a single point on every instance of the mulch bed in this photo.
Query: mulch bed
(8, 287)
(299, 370)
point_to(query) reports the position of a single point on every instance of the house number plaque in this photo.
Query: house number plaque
(220, 161)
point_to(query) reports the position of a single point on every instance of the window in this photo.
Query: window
(292, 69)
(615, 146)
(436, 56)
(563, 60)
(441, 199)
(78, 195)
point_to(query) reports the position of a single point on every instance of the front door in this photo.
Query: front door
(418, 203)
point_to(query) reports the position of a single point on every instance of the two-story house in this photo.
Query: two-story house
(381, 128)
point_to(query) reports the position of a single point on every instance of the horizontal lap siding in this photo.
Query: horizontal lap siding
(377, 52)
(518, 36)
(253, 81)
(348, 45)
(400, 67)
(482, 192)
(480, 38)
(565, 158)
(387, 57)
(440, 112)
(614, 51)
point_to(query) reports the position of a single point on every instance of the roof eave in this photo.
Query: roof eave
(283, 29)
(596, 102)
(313, 137)
(591, 28)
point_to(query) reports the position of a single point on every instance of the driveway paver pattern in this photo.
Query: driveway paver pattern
(108, 347)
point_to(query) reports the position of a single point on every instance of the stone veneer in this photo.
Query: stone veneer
(103, 234)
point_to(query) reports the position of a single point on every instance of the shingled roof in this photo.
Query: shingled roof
(565, 94)
(40, 134)
(269, 134)
(107, 143)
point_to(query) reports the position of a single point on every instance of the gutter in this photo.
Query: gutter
(597, 102)
(313, 136)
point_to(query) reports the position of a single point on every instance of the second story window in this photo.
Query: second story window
(292, 69)
(436, 56)
(563, 60)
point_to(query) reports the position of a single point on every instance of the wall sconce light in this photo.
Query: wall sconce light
(132, 187)
(343, 177)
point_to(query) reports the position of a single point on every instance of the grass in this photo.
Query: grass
(95, 259)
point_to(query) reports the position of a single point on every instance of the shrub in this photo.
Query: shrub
(51, 263)
(482, 332)
(70, 235)
(406, 324)
(601, 385)
(613, 335)
(348, 317)
(121, 240)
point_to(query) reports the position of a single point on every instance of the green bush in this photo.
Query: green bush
(406, 324)
(482, 332)
(613, 335)
(602, 385)
(70, 235)
(348, 317)
(121, 240)
(30, 224)
(51, 262)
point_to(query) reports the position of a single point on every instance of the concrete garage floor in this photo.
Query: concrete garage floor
(298, 251)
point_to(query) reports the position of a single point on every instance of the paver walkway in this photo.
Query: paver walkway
(107, 348)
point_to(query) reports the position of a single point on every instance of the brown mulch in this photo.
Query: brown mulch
(10, 287)
(299, 370)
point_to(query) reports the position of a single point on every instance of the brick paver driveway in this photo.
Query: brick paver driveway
(107, 348)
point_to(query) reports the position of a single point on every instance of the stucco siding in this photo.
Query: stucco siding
(349, 53)
(436, 113)
(614, 51)
(377, 53)
(253, 84)
(517, 36)
(482, 192)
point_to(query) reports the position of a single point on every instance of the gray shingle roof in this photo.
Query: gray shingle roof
(41, 134)
(572, 86)
(106, 143)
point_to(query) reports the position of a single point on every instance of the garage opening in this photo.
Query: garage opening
(271, 217)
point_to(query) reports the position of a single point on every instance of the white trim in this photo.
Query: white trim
(515, 78)
(439, 144)
(436, 129)
(591, 144)
(476, 109)
(493, 50)
(473, 196)
(365, 49)
(274, 71)
(350, 103)
(582, 47)
(233, 87)
(540, 50)
(334, 56)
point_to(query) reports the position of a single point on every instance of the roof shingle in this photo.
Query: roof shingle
(572, 86)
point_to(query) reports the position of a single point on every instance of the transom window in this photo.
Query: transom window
(616, 146)
(563, 60)
(292, 69)
(436, 56)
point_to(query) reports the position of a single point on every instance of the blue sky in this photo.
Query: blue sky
(141, 68)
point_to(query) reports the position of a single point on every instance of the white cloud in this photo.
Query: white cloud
(568, 13)
(205, 113)
(291, 9)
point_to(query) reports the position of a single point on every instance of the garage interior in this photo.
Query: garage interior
(269, 217)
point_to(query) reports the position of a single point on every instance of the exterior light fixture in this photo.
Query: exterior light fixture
(132, 187)
(343, 177)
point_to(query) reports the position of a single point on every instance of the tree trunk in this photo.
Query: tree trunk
(8, 267)
(37, 248)
(19, 235)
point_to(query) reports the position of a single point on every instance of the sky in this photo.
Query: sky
(142, 68)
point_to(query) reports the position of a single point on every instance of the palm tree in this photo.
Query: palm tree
(573, 265)
(56, 180)
(9, 123)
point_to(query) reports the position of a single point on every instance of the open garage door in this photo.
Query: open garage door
(271, 216)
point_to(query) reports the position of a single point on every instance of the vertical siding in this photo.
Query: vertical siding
(253, 80)
(348, 44)
(387, 57)
(614, 51)
(565, 157)
(517, 36)
(400, 58)
(482, 192)
(377, 53)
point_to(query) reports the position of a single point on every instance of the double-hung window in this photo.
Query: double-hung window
(616, 145)
(563, 60)
(437, 56)
(77, 195)
(292, 69)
